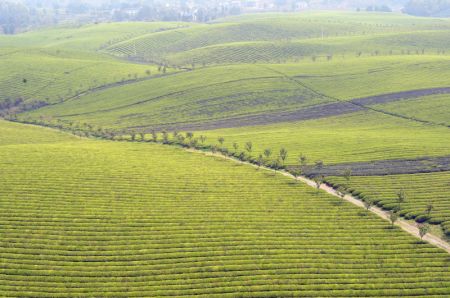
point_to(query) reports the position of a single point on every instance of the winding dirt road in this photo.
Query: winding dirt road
(403, 224)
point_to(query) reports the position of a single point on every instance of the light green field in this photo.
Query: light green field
(90, 37)
(434, 109)
(96, 218)
(421, 190)
(426, 42)
(272, 37)
(55, 75)
(240, 90)
(363, 136)
(201, 95)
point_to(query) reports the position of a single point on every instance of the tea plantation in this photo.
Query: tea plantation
(96, 218)
(94, 207)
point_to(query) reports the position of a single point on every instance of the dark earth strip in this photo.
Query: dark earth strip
(315, 112)
(383, 167)
(385, 98)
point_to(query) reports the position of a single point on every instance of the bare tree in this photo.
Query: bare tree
(249, 148)
(401, 197)
(429, 209)
(165, 137)
(341, 192)
(180, 139)
(221, 140)
(154, 136)
(214, 149)
(236, 147)
(283, 155)
(189, 135)
(423, 230)
(347, 175)
(318, 180)
(393, 217)
(202, 139)
(260, 161)
(142, 134)
(267, 153)
(193, 143)
(368, 204)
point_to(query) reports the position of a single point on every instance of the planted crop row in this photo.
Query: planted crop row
(426, 195)
(98, 218)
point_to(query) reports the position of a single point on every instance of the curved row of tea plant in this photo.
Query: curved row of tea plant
(426, 195)
(98, 218)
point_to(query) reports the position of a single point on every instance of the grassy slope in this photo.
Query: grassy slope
(96, 218)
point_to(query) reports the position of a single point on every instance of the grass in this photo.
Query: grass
(95, 218)
(421, 190)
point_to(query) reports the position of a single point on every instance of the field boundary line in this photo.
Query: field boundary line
(353, 101)
(403, 224)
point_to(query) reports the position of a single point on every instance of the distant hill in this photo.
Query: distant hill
(428, 8)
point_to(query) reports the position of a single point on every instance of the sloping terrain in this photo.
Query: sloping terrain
(243, 95)
(96, 218)
(275, 37)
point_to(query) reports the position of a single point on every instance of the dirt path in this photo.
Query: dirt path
(403, 224)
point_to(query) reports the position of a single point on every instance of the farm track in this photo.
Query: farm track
(403, 224)
(386, 167)
(315, 112)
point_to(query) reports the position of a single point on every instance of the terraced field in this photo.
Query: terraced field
(422, 190)
(196, 100)
(277, 37)
(433, 109)
(54, 75)
(364, 136)
(96, 218)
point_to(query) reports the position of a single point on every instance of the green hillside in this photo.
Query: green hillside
(87, 37)
(363, 136)
(275, 37)
(224, 92)
(116, 214)
(53, 75)
(97, 218)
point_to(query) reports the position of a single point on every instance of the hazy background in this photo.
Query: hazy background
(21, 15)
